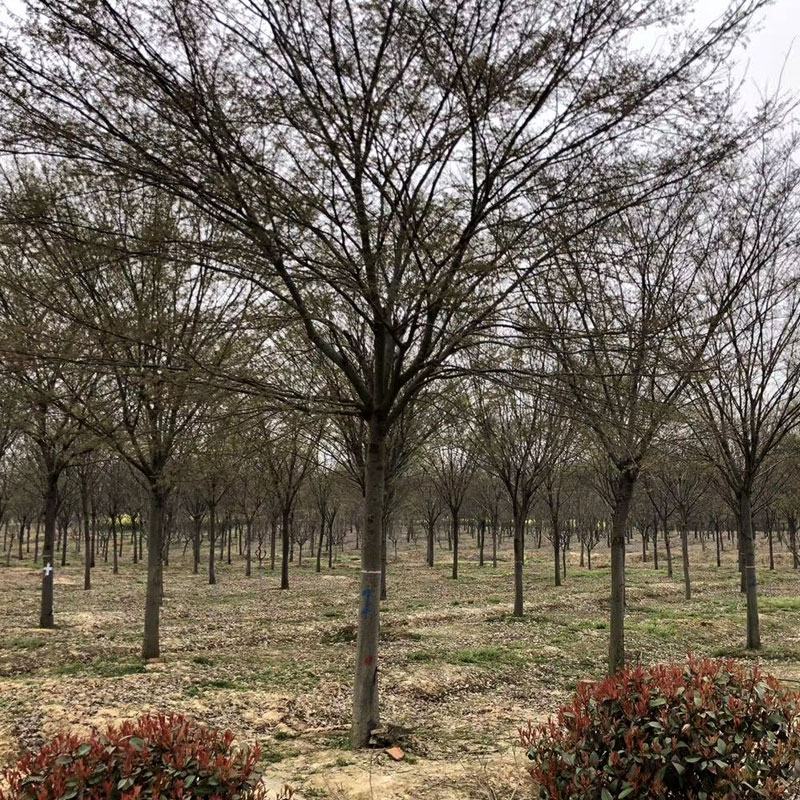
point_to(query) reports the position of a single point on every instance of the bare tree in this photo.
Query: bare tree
(628, 312)
(520, 434)
(39, 351)
(686, 484)
(290, 452)
(452, 466)
(747, 401)
(132, 274)
(419, 124)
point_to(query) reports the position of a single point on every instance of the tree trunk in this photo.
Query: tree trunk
(64, 539)
(740, 557)
(429, 555)
(248, 552)
(152, 604)
(687, 585)
(273, 534)
(212, 532)
(285, 542)
(198, 524)
(36, 540)
(384, 527)
(319, 544)
(668, 548)
(93, 518)
(50, 510)
(519, 534)
(655, 542)
(114, 553)
(792, 525)
(454, 514)
(87, 536)
(622, 504)
(747, 546)
(365, 692)
(557, 557)
(771, 547)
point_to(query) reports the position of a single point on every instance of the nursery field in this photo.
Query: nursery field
(275, 666)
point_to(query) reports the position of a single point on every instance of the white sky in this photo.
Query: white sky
(776, 37)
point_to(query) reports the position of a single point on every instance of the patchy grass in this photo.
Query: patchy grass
(485, 657)
(275, 666)
(771, 604)
(23, 643)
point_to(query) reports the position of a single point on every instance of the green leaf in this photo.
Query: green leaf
(83, 750)
(606, 795)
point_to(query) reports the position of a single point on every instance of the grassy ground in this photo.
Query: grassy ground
(275, 666)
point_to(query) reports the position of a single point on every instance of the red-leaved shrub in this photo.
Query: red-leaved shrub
(154, 757)
(706, 730)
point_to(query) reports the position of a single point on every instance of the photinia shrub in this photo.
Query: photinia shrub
(707, 730)
(155, 757)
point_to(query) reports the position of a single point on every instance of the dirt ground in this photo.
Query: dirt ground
(275, 666)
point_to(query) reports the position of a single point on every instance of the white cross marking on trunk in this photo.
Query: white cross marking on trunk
(48, 569)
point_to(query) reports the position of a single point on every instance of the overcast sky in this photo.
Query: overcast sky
(761, 63)
(778, 35)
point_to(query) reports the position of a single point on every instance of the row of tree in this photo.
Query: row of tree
(100, 508)
(253, 211)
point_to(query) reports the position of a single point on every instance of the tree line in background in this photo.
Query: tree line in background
(294, 272)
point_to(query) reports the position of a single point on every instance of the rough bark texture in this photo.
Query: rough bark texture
(285, 541)
(747, 545)
(519, 548)
(46, 619)
(622, 504)
(365, 693)
(152, 603)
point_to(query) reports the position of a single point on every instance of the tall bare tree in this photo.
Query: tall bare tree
(628, 311)
(520, 435)
(367, 154)
(747, 401)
